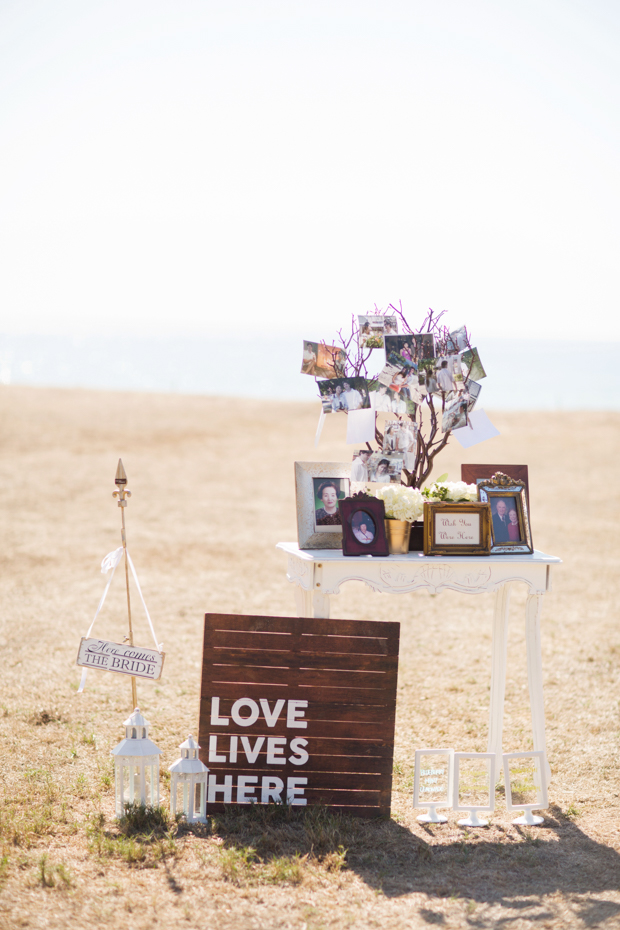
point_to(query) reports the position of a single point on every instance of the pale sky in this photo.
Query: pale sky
(192, 166)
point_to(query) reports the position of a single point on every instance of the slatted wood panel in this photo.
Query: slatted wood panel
(347, 672)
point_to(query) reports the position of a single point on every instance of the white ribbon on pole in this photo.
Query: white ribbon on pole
(319, 428)
(158, 646)
(111, 561)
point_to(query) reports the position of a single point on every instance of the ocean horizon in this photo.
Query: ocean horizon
(521, 374)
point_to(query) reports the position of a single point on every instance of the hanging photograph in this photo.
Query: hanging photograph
(471, 365)
(322, 361)
(377, 467)
(341, 395)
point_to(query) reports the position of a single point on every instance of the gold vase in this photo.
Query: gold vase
(397, 532)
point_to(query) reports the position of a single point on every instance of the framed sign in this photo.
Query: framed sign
(457, 529)
(299, 710)
(363, 526)
(510, 522)
(432, 782)
(476, 474)
(526, 785)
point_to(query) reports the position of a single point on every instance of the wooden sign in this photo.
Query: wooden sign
(136, 661)
(299, 709)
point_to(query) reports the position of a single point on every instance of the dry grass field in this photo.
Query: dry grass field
(212, 483)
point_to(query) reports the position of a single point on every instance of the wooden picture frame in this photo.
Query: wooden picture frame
(474, 474)
(363, 526)
(457, 529)
(508, 534)
(307, 475)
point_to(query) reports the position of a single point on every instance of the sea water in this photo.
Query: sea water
(521, 374)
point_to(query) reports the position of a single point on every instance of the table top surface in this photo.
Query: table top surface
(335, 555)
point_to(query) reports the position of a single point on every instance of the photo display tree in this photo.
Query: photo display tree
(427, 377)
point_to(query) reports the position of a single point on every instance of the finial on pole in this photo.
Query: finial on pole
(121, 475)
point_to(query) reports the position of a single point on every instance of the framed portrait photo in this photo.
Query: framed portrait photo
(319, 487)
(457, 529)
(510, 522)
(363, 526)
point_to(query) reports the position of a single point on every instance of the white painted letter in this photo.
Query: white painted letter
(292, 791)
(225, 789)
(245, 795)
(232, 755)
(295, 711)
(216, 720)
(213, 756)
(271, 789)
(301, 756)
(275, 750)
(244, 721)
(252, 754)
(272, 716)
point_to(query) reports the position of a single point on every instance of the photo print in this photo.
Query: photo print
(373, 327)
(322, 361)
(457, 341)
(459, 404)
(384, 399)
(371, 331)
(505, 517)
(472, 366)
(402, 351)
(376, 467)
(364, 527)
(455, 414)
(327, 493)
(340, 395)
(401, 437)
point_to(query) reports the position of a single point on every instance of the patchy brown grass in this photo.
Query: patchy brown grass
(213, 493)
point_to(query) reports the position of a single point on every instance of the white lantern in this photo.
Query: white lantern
(136, 765)
(189, 777)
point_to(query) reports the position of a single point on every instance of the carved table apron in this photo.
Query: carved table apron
(318, 573)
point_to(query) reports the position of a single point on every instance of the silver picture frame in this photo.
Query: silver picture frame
(326, 537)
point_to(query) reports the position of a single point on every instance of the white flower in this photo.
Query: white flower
(451, 491)
(401, 503)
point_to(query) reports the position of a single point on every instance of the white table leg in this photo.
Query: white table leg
(303, 601)
(534, 674)
(498, 670)
(321, 605)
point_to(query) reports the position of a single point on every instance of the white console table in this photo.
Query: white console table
(318, 573)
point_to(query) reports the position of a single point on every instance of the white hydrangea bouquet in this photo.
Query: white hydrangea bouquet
(401, 503)
(453, 491)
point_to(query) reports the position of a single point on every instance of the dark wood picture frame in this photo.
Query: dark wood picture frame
(435, 546)
(501, 486)
(350, 509)
(474, 474)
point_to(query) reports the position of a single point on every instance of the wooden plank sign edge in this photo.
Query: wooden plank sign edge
(314, 665)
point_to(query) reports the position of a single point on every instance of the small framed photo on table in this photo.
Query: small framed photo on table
(457, 529)
(363, 526)
(510, 523)
(320, 486)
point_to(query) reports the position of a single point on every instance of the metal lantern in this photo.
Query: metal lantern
(189, 777)
(136, 765)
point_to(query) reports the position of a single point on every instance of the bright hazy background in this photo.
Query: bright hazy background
(180, 167)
